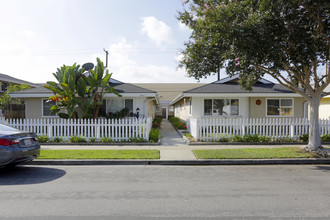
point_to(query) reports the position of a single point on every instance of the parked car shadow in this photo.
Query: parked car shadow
(25, 175)
(323, 168)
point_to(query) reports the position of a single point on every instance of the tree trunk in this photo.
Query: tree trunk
(314, 142)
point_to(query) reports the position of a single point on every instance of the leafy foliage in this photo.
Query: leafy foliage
(177, 123)
(43, 138)
(79, 91)
(5, 99)
(287, 39)
(77, 139)
(154, 135)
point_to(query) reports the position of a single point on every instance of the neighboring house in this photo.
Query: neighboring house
(166, 93)
(132, 97)
(226, 98)
(5, 80)
(324, 111)
(13, 110)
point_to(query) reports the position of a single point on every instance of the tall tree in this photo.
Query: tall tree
(287, 39)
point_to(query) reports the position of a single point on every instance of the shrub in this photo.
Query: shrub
(76, 139)
(325, 138)
(238, 139)
(188, 135)
(154, 135)
(58, 139)
(43, 138)
(155, 125)
(224, 139)
(106, 140)
(137, 140)
(177, 123)
(304, 137)
(265, 139)
(92, 140)
(157, 120)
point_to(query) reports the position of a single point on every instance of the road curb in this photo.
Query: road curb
(184, 162)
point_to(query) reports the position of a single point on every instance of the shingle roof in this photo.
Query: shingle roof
(119, 87)
(232, 87)
(10, 79)
(168, 91)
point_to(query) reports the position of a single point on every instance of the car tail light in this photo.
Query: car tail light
(7, 142)
(35, 139)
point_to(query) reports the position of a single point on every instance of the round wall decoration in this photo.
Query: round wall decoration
(258, 102)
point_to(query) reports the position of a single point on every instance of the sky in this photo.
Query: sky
(143, 37)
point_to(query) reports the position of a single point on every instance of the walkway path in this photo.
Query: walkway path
(170, 137)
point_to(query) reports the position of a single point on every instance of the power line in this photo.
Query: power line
(84, 51)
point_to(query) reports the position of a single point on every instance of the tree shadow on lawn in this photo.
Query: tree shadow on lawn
(26, 175)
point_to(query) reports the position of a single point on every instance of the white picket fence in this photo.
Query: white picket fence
(215, 128)
(114, 129)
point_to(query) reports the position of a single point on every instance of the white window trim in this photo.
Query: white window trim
(42, 110)
(279, 116)
(238, 115)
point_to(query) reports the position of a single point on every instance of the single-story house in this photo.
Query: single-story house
(166, 93)
(12, 110)
(324, 111)
(226, 98)
(5, 80)
(132, 97)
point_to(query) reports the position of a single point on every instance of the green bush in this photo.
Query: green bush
(154, 135)
(137, 140)
(325, 138)
(43, 138)
(188, 135)
(58, 140)
(157, 120)
(304, 137)
(265, 139)
(177, 123)
(106, 140)
(76, 139)
(92, 140)
(224, 139)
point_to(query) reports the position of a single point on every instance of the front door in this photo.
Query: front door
(163, 112)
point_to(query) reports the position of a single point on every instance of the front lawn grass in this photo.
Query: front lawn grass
(253, 153)
(99, 154)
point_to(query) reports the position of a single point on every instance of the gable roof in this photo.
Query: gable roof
(230, 87)
(10, 79)
(124, 89)
(168, 91)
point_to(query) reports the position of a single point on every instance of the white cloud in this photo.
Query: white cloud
(157, 31)
(29, 33)
(183, 26)
(126, 69)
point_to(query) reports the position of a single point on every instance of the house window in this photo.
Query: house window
(46, 106)
(117, 104)
(221, 106)
(129, 105)
(279, 107)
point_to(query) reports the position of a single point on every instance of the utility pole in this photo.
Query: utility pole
(106, 57)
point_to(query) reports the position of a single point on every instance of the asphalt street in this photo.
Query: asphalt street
(165, 192)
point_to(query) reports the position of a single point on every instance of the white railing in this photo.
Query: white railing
(213, 129)
(114, 129)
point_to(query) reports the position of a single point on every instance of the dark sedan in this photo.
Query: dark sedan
(17, 146)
